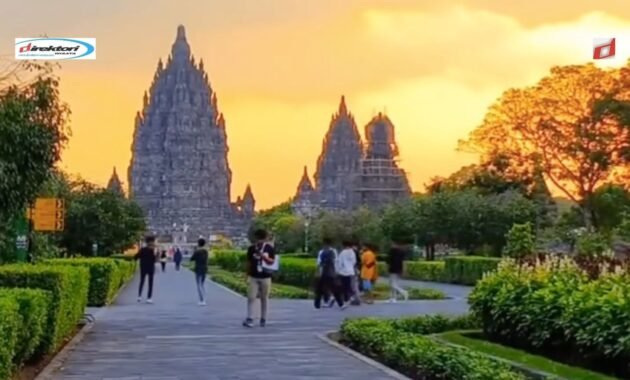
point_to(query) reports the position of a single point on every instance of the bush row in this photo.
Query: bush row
(42, 304)
(24, 316)
(465, 270)
(554, 306)
(236, 283)
(417, 356)
(68, 287)
(106, 276)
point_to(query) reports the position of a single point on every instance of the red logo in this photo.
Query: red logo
(25, 48)
(603, 48)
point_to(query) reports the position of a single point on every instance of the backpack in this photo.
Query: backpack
(327, 263)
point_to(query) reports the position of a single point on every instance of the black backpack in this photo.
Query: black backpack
(327, 263)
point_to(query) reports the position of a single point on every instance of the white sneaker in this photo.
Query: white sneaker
(345, 306)
(406, 295)
(391, 300)
(201, 303)
(139, 299)
(149, 300)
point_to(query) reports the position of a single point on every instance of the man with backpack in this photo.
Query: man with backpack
(327, 276)
(260, 256)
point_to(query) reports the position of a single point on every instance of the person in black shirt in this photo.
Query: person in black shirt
(395, 259)
(146, 256)
(258, 279)
(177, 258)
(200, 258)
(327, 281)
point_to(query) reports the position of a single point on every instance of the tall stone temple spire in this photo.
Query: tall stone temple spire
(114, 185)
(380, 180)
(305, 192)
(179, 171)
(339, 161)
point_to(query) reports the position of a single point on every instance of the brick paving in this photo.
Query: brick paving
(174, 339)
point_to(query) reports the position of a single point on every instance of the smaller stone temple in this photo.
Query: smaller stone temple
(351, 173)
(114, 184)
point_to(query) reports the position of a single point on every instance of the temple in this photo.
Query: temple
(114, 184)
(179, 171)
(352, 174)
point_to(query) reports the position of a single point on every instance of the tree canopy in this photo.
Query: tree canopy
(572, 125)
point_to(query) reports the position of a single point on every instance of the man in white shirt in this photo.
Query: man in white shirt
(346, 269)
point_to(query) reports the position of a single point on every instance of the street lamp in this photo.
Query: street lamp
(305, 209)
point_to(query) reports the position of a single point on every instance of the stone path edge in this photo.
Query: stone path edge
(57, 362)
(388, 371)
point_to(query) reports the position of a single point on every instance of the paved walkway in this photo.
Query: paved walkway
(174, 339)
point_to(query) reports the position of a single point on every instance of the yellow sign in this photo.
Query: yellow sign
(48, 214)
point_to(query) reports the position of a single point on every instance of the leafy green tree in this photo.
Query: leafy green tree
(33, 131)
(288, 232)
(96, 215)
(609, 203)
(520, 241)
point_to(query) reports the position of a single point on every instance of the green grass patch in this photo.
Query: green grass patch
(540, 363)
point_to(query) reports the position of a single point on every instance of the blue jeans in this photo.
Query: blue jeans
(200, 278)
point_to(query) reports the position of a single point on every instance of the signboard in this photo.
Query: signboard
(48, 214)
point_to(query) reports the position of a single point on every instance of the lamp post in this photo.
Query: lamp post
(305, 209)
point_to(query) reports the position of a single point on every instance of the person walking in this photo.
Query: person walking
(356, 279)
(395, 260)
(259, 255)
(346, 264)
(200, 258)
(327, 276)
(369, 271)
(147, 257)
(177, 258)
(163, 259)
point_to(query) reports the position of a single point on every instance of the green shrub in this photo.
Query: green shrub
(33, 307)
(520, 241)
(425, 294)
(424, 270)
(467, 270)
(69, 287)
(127, 270)
(238, 283)
(105, 277)
(120, 256)
(297, 272)
(233, 261)
(435, 324)
(553, 306)
(10, 324)
(592, 244)
(420, 357)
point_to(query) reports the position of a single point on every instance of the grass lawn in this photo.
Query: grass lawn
(540, 363)
(236, 282)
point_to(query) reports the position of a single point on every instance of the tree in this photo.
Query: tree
(609, 202)
(288, 232)
(560, 126)
(96, 215)
(32, 134)
(520, 241)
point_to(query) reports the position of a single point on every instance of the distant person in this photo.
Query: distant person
(369, 271)
(258, 279)
(200, 258)
(177, 258)
(147, 257)
(346, 268)
(395, 260)
(163, 259)
(356, 279)
(327, 276)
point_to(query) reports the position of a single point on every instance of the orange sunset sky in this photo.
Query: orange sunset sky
(279, 68)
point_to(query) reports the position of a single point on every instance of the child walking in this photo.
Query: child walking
(369, 272)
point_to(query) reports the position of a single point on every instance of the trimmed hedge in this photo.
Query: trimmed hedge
(33, 305)
(420, 357)
(467, 270)
(239, 285)
(9, 327)
(69, 287)
(425, 271)
(555, 307)
(105, 277)
(127, 270)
